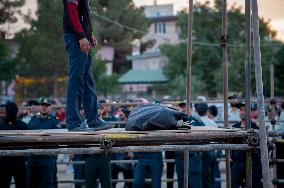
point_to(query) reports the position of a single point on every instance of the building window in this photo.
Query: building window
(160, 27)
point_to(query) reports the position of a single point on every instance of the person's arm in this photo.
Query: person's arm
(72, 8)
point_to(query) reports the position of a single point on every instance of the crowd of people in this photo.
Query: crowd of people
(41, 171)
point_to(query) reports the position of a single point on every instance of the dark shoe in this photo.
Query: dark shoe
(126, 111)
(100, 125)
(82, 127)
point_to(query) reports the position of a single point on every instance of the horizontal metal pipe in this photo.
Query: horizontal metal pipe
(125, 180)
(96, 150)
(166, 102)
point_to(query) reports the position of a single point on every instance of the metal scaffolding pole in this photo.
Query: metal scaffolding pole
(260, 97)
(248, 86)
(98, 150)
(188, 82)
(224, 45)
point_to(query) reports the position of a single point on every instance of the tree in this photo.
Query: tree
(105, 84)
(207, 66)
(279, 68)
(8, 65)
(125, 13)
(42, 53)
(8, 13)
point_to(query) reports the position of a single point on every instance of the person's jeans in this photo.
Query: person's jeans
(79, 170)
(208, 168)
(148, 163)
(194, 171)
(81, 87)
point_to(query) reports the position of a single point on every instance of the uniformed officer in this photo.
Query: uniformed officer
(12, 166)
(42, 168)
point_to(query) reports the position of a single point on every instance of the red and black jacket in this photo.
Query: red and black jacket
(77, 19)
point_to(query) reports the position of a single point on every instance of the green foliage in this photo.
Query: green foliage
(279, 69)
(105, 84)
(124, 12)
(207, 68)
(7, 64)
(42, 53)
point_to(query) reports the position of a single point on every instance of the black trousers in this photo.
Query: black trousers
(12, 167)
(41, 175)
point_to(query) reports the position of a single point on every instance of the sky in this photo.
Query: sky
(269, 9)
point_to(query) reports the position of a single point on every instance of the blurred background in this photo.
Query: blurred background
(142, 49)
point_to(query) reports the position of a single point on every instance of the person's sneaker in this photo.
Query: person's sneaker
(82, 127)
(100, 124)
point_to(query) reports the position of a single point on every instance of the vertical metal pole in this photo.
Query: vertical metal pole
(271, 68)
(260, 98)
(225, 87)
(188, 82)
(189, 55)
(248, 86)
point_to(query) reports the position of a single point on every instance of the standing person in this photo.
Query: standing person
(281, 118)
(209, 160)
(195, 159)
(254, 112)
(12, 166)
(79, 41)
(212, 114)
(203, 112)
(238, 169)
(234, 113)
(42, 168)
(97, 166)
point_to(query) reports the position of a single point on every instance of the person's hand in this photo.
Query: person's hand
(84, 45)
(95, 41)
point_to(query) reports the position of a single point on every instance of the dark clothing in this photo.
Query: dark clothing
(38, 122)
(280, 155)
(240, 156)
(7, 125)
(76, 19)
(98, 167)
(79, 169)
(148, 163)
(170, 168)
(209, 162)
(238, 170)
(41, 168)
(13, 166)
(238, 173)
(126, 169)
(217, 169)
(194, 169)
(194, 166)
(41, 176)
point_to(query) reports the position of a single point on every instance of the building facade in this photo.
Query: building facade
(146, 75)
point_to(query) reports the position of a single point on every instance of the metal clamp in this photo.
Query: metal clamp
(224, 41)
(106, 144)
(253, 138)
